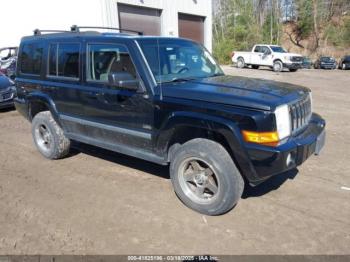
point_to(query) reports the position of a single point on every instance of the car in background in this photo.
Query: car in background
(8, 67)
(7, 53)
(344, 63)
(325, 62)
(307, 63)
(272, 56)
(7, 92)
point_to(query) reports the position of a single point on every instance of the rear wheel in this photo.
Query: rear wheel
(255, 66)
(240, 62)
(48, 136)
(205, 178)
(277, 66)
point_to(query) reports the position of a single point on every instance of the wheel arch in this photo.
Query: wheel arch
(277, 59)
(40, 102)
(185, 126)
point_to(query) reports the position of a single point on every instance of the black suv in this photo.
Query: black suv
(164, 100)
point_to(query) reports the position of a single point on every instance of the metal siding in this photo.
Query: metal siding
(169, 14)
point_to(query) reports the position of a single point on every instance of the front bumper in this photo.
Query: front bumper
(6, 104)
(293, 65)
(6, 100)
(269, 161)
(328, 66)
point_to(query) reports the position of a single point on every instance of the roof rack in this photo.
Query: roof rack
(76, 29)
(39, 32)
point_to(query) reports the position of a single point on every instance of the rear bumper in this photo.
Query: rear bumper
(293, 65)
(270, 161)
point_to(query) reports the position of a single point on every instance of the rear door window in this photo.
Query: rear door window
(31, 58)
(64, 60)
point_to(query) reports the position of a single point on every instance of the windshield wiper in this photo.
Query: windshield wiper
(217, 74)
(180, 79)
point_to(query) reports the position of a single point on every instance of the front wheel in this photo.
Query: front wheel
(205, 178)
(277, 66)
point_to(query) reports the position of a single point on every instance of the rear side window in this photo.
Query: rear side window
(31, 58)
(64, 60)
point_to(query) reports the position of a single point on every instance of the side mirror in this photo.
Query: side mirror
(123, 80)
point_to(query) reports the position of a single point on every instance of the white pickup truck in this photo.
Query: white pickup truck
(272, 56)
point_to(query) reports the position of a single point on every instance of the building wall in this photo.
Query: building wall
(25, 16)
(170, 10)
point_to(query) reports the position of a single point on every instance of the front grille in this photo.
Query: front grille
(300, 113)
(7, 96)
(296, 59)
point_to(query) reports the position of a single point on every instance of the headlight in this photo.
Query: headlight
(283, 121)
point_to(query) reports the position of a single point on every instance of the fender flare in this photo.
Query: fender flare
(228, 129)
(37, 97)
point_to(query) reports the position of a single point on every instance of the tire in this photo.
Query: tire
(205, 177)
(255, 66)
(240, 62)
(293, 70)
(277, 66)
(49, 137)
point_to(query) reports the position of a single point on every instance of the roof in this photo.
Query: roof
(94, 34)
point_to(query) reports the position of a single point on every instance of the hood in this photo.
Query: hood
(5, 82)
(293, 54)
(236, 91)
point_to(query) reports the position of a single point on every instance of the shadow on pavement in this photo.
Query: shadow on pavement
(120, 159)
(163, 171)
(269, 185)
(7, 109)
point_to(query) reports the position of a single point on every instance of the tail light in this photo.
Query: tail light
(232, 54)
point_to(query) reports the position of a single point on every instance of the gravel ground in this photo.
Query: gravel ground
(99, 202)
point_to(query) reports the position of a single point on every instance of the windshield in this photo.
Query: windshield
(278, 49)
(177, 59)
(327, 59)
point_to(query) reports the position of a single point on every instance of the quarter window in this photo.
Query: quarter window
(107, 59)
(31, 59)
(64, 60)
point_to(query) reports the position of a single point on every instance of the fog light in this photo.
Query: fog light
(289, 160)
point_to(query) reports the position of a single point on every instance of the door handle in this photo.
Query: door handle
(92, 95)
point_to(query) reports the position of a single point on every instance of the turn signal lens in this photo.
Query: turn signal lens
(266, 138)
